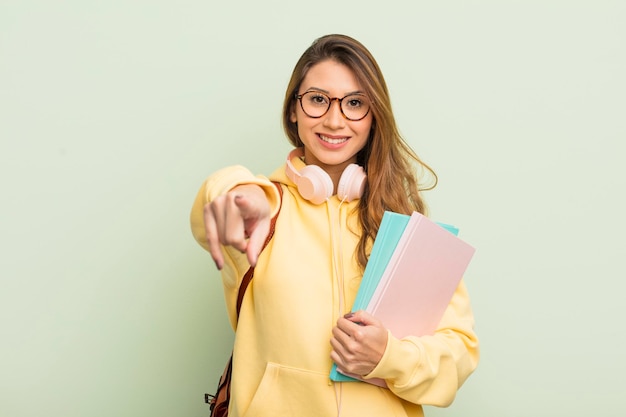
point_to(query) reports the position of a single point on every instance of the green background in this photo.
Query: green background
(113, 112)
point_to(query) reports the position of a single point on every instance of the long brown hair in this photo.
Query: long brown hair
(390, 163)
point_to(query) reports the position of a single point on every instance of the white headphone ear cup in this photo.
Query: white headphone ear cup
(314, 184)
(352, 183)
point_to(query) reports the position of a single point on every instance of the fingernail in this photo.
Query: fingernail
(348, 315)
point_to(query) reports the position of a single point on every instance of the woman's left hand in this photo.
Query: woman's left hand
(359, 341)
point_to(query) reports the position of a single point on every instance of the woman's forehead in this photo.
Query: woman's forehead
(331, 77)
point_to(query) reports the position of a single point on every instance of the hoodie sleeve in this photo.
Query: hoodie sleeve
(429, 370)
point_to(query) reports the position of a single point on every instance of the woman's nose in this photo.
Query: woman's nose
(334, 117)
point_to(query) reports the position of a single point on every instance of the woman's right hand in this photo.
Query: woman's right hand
(239, 218)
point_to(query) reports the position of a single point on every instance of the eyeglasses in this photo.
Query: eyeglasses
(315, 104)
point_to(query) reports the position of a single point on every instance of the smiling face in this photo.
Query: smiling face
(331, 141)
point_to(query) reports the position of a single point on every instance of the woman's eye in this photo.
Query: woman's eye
(318, 99)
(355, 103)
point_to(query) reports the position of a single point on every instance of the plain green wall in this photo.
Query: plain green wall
(113, 112)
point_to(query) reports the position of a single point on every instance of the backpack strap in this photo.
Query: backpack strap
(250, 273)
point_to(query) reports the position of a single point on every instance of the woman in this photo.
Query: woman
(349, 165)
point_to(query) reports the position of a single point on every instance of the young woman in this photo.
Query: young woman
(348, 166)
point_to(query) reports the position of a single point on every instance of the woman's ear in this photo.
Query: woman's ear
(292, 117)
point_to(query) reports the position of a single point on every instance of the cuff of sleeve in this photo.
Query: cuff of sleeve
(393, 365)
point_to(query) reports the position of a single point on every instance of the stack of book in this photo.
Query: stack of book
(413, 271)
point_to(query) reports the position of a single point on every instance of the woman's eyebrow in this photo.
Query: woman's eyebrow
(321, 90)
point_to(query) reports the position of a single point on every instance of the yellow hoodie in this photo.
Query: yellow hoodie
(300, 288)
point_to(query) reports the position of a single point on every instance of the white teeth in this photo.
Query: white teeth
(333, 141)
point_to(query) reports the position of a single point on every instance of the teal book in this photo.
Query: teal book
(391, 229)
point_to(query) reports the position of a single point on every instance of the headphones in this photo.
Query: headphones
(315, 185)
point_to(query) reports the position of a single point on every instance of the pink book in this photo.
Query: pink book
(419, 281)
(420, 278)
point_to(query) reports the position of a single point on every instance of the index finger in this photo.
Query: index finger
(362, 318)
(257, 241)
(212, 237)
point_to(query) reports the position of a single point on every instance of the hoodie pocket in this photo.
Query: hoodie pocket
(286, 391)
